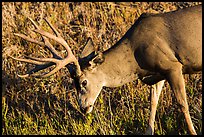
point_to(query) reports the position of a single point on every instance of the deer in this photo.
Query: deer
(157, 48)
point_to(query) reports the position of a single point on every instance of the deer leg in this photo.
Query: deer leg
(155, 93)
(176, 81)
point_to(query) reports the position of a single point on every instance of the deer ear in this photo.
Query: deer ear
(97, 60)
(88, 49)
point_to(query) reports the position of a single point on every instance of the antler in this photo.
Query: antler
(43, 63)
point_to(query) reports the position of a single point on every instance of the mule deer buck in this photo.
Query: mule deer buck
(156, 48)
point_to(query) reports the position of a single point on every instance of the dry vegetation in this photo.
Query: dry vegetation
(49, 106)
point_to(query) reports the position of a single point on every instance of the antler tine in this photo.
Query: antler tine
(40, 65)
(43, 66)
(36, 26)
(36, 69)
(59, 39)
(56, 61)
(47, 43)
(35, 62)
(29, 39)
(52, 27)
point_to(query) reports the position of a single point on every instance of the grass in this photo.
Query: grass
(34, 106)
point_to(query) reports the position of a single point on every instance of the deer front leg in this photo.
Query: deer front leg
(155, 93)
(176, 81)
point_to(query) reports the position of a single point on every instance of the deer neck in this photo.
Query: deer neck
(120, 66)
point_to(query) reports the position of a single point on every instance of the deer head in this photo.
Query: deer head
(90, 83)
(82, 70)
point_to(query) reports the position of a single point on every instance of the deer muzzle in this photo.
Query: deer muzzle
(87, 109)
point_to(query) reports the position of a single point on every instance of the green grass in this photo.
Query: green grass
(32, 106)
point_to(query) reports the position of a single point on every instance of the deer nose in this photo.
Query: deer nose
(86, 109)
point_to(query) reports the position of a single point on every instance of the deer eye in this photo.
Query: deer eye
(84, 83)
(83, 91)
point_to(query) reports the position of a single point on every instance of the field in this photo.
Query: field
(32, 106)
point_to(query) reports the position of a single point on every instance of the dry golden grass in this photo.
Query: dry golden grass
(49, 106)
